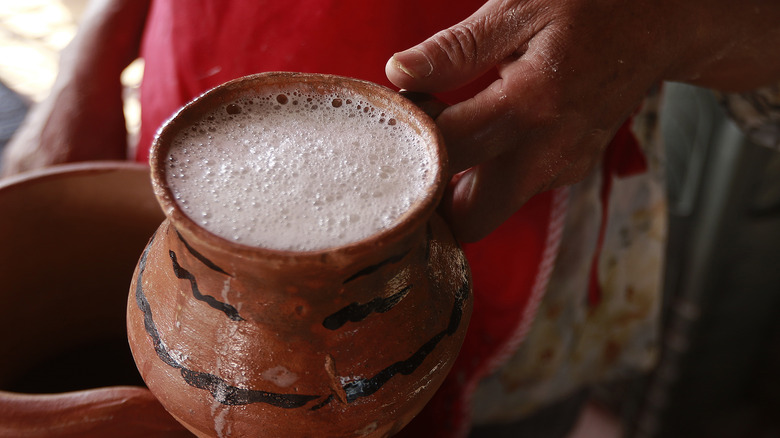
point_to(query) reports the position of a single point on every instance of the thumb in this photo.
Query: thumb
(455, 56)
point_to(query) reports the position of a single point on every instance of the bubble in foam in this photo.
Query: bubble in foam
(282, 178)
(233, 109)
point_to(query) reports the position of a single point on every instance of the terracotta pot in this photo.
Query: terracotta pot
(351, 341)
(70, 237)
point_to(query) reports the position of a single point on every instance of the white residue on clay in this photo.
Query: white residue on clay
(280, 376)
(219, 412)
(369, 429)
(226, 289)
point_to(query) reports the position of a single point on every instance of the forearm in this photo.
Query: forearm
(108, 40)
(733, 46)
(109, 35)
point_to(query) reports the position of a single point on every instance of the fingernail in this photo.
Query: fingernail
(458, 205)
(414, 63)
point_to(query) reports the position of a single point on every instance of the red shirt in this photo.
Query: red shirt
(191, 46)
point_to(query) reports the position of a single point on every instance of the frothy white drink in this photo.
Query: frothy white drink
(296, 172)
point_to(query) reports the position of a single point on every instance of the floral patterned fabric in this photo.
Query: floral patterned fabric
(577, 339)
(573, 341)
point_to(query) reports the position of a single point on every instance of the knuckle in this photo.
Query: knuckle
(460, 44)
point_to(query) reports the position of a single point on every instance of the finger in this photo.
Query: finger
(463, 52)
(483, 197)
(506, 115)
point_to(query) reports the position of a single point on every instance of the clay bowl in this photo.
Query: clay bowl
(69, 240)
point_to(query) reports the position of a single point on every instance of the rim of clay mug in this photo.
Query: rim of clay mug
(416, 216)
(57, 171)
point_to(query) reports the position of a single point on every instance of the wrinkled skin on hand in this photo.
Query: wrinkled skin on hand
(570, 73)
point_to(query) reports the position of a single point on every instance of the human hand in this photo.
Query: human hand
(570, 73)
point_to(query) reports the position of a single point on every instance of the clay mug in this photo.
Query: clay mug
(71, 235)
(238, 340)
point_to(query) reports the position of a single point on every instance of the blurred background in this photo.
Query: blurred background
(32, 33)
(718, 375)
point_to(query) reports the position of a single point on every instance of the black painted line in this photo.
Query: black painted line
(201, 257)
(231, 395)
(356, 312)
(184, 274)
(143, 304)
(324, 403)
(365, 387)
(219, 389)
(373, 268)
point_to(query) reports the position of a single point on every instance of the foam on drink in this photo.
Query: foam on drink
(297, 172)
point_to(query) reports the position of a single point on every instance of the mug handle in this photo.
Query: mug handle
(118, 412)
(427, 102)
